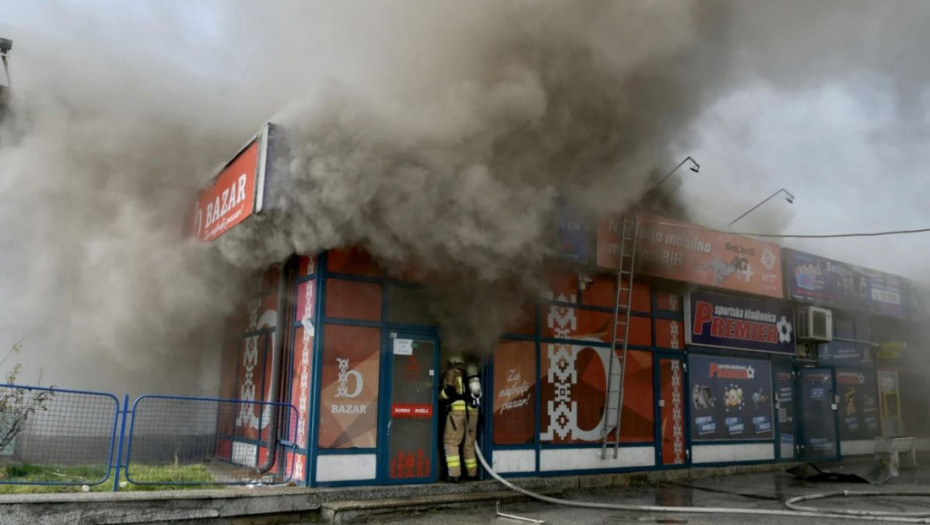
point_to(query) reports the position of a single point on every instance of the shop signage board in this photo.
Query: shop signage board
(845, 353)
(823, 281)
(236, 192)
(574, 235)
(731, 398)
(684, 252)
(890, 351)
(742, 323)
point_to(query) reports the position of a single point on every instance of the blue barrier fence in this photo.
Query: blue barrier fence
(51, 436)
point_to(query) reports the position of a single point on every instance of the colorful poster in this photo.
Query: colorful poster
(731, 399)
(349, 379)
(845, 353)
(858, 409)
(684, 252)
(741, 323)
(827, 282)
(514, 418)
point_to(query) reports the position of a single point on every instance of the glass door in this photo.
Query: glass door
(411, 423)
(818, 415)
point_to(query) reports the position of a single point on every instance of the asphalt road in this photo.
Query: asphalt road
(752, 491)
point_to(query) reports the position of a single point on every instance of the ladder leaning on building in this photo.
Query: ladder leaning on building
(623, 298)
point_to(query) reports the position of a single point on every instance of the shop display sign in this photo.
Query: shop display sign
(684, 252)
(741, 323)
(832, 283)
(731, 398)
(514, 392)
(888, 387)
(858, 404)
(890, 351)
(844, 352)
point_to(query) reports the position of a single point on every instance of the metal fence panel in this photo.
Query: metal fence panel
(51, 436)
(176, 440)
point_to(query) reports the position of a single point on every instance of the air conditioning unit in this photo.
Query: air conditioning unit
(815, 324)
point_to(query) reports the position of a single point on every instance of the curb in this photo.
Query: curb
(329, 505)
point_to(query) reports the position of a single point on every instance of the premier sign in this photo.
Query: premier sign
(739, 323)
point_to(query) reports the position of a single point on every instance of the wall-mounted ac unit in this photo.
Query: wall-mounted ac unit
(815, 324)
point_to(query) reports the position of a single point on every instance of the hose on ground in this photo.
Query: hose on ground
(799, 512)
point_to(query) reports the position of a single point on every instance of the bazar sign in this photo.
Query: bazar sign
(742, 323)
(234, 194)
(684, 252)
(832, 283)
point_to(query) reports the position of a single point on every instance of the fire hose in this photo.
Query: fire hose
(795, 511)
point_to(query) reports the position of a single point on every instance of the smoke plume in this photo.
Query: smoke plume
(438, 135)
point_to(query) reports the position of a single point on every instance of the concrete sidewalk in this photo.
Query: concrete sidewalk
(332, 505)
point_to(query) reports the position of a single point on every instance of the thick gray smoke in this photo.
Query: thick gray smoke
(438, 134)
(99, 159)
(456, 167)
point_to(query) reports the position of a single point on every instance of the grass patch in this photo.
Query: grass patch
(11, 475)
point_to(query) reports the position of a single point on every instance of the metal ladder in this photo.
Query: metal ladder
(624, 292)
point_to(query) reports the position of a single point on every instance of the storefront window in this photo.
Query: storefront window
(574, 383)
(349, 387)
(514, 418)
(731, 398)
(353, 300)
(858, 409)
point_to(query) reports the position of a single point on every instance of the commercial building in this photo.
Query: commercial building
(723, 359)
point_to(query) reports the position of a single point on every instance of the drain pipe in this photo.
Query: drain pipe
(277, 358)
(693, 510)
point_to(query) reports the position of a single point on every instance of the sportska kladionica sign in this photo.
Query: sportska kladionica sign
(741, 323)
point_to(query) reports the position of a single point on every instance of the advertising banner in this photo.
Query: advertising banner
(684, 252)
(730, 398)
(514, 392)
(349, 394)
(742, 323)
(845, 353)
(858, 408)
(574, 234)
(827, 282)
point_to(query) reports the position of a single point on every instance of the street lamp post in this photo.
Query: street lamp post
(695, 167)
(788, 197)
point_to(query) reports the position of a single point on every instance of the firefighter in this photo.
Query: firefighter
(461, 393)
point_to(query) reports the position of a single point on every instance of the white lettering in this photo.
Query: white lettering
(241, 192)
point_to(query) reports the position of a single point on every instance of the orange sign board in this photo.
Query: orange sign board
(684, 252)
(230, 198)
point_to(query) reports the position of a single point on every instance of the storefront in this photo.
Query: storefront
(713, 373)
(869, 311)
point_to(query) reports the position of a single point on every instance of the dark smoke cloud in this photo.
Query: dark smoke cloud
(436, 133)
(545, 101)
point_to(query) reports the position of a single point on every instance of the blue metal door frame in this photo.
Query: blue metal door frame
(384, 409)
(804, 430)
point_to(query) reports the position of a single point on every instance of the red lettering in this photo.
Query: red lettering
(731, 328)
(744, 330)
(703, 313)
(716, 327)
